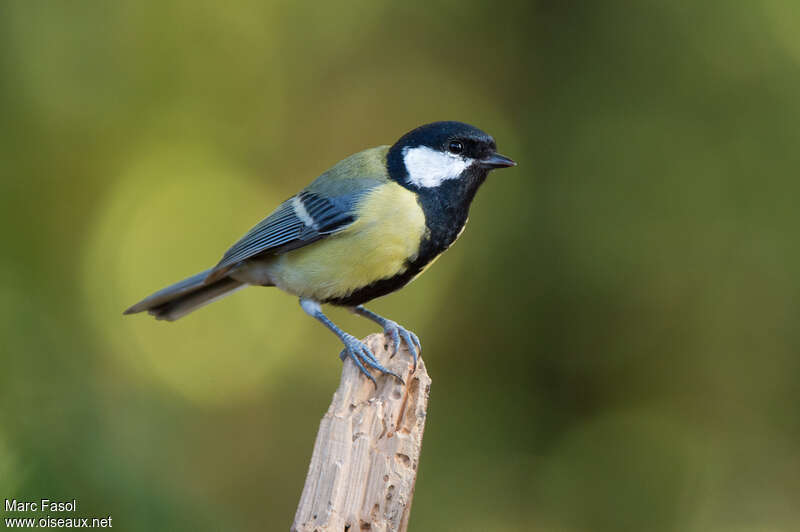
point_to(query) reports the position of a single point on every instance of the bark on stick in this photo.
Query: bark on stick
(364, 465)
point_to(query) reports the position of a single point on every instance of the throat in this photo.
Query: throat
(446, 210)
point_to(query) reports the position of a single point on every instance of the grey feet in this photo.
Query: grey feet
(397, 331)
(358, 350)
(394, 330)
(361, 355)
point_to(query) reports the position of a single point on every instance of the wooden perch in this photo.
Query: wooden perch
(365, 459)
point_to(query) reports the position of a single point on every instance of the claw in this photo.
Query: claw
(397, 332)
(395, 340)
(412, 342)
(347, 352)
(361, 354)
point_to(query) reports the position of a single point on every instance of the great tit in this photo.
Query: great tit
(361, 230)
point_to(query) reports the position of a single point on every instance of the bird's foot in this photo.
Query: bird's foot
(396, 332)
(361, 354)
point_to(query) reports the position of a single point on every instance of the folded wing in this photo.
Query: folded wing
(297, 222)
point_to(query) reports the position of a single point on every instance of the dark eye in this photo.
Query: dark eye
(455, 147)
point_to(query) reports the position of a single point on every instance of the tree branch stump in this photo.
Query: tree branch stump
(365, 459)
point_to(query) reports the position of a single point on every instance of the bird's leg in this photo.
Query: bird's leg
(353, 347)
(394, 330)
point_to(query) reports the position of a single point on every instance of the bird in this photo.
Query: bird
(366, 227)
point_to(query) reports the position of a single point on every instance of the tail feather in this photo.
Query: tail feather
(183, 297)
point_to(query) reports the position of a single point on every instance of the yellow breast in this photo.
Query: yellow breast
(387, 232)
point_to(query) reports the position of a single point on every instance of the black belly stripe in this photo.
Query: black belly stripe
(388, 285)
(446, 209)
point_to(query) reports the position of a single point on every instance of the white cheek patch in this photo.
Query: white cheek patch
(428, 168)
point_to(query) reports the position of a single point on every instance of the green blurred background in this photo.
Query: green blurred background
(613, 342)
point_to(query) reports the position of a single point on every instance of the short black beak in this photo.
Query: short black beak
(496, 160)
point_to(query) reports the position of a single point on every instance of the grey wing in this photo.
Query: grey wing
(298, 221)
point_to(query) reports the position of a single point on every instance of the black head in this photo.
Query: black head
(435, 153)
